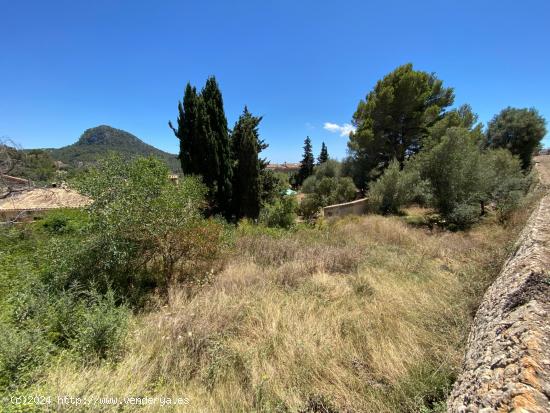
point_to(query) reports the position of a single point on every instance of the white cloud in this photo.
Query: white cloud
(343, 129)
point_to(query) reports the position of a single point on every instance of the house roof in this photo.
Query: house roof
(8, 179)
(43, 199)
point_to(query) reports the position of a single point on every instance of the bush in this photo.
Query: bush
(281, 213)
(64, 221)
(101, 328)
(506, 183)
(309, 207)
(455, 172)
(22, 351)
(394, 189)
(144, 231)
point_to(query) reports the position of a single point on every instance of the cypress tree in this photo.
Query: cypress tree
(204, 141)
(245, 147)
(307, 163)
(219, 159)
(187, 132)
(323, 156)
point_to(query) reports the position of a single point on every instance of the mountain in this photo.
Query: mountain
(97, 142)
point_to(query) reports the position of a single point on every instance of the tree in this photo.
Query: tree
(326, 186)
(323, 156)
(143, 229)
(505, 182)
(204, 141)
(518, 130)
(462, 117)
(245, 146)
(394, 189)
(191, 155)
(307, 163)
(394, 119)
(221, 158)
(456, 176)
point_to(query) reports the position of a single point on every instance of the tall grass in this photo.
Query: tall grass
(365, 314)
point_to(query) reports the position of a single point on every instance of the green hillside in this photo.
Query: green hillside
(97, 142)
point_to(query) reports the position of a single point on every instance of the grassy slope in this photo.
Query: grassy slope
(368, 314)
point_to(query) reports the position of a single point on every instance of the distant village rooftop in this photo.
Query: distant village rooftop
(283, 167)
(41, 199)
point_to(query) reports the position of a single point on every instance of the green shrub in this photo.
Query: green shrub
(64, 221)
(281, 213)
(144, 232)
(309, 206)
(22, 353)
(394, 189)
(506, 182)
(101, 328)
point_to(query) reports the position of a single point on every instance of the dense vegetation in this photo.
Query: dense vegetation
(210, 288)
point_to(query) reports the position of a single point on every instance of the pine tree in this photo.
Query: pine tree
(394, 120)
(307, 163)
(245, 147)
(323, 156)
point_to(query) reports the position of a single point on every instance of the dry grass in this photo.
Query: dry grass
(367, 315)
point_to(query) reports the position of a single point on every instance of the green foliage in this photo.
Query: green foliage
(36, 165)
(325, 187)
(394, 189)
(506, 183)
(64, 221)
(307, 163)
(323, 155)
(101, 328)
(204, 142)
(281, 213)
(21, 352)
(144, 229)
(394, 119)
(518, 130)
(309, 207)
(454, 169)
(273, 185)
(462, 117)
(247, 167)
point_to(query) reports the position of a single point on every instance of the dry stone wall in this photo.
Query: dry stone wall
(507, 363)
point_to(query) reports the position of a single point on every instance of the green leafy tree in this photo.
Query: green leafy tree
(323, 155)
(518, 130)
(307, 163)
(326, 187)
(462, 117)
(280, 213)
(246, 178)
(394, 120)
(506, 184)
(456, 176)
(144, 229)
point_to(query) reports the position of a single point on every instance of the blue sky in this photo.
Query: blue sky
(69, 65)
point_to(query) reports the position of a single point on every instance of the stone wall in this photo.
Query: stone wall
(357, 207)
(507, 362)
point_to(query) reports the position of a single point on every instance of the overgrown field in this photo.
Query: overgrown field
(365, 314)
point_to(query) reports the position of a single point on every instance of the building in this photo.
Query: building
(25, 204)
(283, 167)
